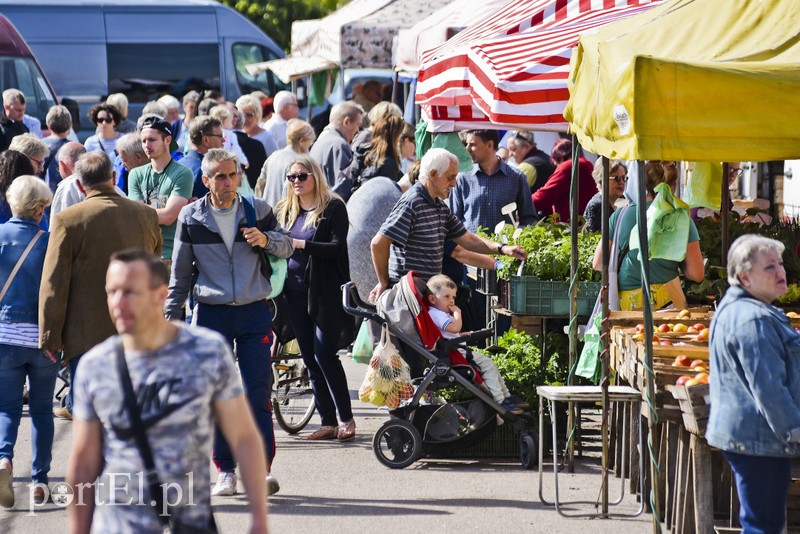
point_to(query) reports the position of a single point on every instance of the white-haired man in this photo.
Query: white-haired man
(285, 105)
(412, 237)
(332, 150)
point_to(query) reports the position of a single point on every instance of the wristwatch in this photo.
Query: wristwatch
(499, 248)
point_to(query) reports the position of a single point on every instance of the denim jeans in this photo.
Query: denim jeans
(763, 486)
(15, 364)
(73, 367)
(248, 327)
(325, 370)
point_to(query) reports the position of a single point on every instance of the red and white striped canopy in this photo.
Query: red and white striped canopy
(510, 70)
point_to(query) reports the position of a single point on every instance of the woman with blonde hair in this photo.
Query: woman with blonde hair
(272, 184)
(317, 220)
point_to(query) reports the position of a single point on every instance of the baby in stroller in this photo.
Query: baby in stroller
(447, 318)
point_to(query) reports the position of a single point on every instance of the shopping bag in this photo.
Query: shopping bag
(362, 347)
(668, 223)
(387, 381)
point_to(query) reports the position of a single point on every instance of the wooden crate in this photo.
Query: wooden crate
(695, 406)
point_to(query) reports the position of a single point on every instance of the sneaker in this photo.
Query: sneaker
(510, 407)
(226, 485)
(62, 413)
(41, 494)
(273, 486)
(6, 484)
(519, 401)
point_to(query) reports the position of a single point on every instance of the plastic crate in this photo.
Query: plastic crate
(487, 281)
(544, 298)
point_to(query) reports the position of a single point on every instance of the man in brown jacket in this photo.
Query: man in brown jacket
(73, 314)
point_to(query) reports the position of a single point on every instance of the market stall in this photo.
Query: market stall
(697, 80)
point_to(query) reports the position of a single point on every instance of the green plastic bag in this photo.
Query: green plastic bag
(704, 189)
(668, 223)
(362, 348)
(589, 362)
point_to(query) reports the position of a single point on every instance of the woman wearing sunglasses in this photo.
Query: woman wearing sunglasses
(105, 117)
(317, 220)
(617, 178)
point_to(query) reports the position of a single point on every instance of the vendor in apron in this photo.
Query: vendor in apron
(673, 245)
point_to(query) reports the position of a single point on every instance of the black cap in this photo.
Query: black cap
(159, 124)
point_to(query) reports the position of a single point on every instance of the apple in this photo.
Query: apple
(680, 327)
(692, 382)
(692, 330)
(697, 363)
(704, 334)
(700, 369)
(681, 360)
(682, 380)
(684, 314)
(664, 328)
(665, 342)
(638, 337)
(699, 326)
(702, 377)
(639, 328)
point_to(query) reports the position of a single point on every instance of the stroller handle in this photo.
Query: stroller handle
(354, 305)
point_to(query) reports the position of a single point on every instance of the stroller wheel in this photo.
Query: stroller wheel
(397, 444)
(528, 451)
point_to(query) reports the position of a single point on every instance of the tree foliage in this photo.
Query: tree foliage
(275, 17)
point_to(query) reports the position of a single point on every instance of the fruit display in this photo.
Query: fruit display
(698, 366)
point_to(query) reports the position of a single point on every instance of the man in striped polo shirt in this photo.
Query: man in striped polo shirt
(413, 236)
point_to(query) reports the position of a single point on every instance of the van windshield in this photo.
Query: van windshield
(145, 72)
(23, 74)
(247, 53)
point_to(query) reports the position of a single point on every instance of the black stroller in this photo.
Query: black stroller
(416, 428)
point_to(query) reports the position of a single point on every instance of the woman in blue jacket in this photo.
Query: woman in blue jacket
(755, 383)
(22, 249)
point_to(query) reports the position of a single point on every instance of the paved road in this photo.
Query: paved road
(332, 487)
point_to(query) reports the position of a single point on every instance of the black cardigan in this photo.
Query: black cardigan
(328, 268)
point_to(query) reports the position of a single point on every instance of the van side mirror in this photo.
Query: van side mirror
(74, 111)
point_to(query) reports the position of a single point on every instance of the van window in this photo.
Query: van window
(144, 72)
(22, 73)
(246, 53)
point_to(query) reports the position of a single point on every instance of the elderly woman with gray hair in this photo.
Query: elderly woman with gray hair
(755, 383)
(22, 249)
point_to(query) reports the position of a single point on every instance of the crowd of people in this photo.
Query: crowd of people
(108, 246)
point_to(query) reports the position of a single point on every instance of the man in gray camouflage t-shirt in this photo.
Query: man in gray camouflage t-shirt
(182, 377)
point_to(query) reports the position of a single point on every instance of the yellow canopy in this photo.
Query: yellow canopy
(693, 80)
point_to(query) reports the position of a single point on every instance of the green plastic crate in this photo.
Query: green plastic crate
(544, 298)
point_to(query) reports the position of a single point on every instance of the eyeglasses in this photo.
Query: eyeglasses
(736, 172)
(299, 177)
(39, 163)
(214, 135)
(623, 178)
(249, 115)
(109, 120)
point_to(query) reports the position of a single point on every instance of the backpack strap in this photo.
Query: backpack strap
(249, 210)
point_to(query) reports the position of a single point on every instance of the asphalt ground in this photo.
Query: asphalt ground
(329, 487)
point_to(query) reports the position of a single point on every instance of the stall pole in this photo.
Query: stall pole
(605, 215)
(647, 308)
(723, 213)
(573, 288)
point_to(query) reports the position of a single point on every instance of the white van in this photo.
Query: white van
(142, 48)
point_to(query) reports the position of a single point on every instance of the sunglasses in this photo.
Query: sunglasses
(623, 178)
(736, 172)
(109, 120)
(299, 177)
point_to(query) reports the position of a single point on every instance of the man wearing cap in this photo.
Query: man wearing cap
(534, 164)
(163, 184)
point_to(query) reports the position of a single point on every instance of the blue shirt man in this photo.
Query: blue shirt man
(480, 194)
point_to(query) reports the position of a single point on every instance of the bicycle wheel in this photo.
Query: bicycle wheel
(292, 396)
